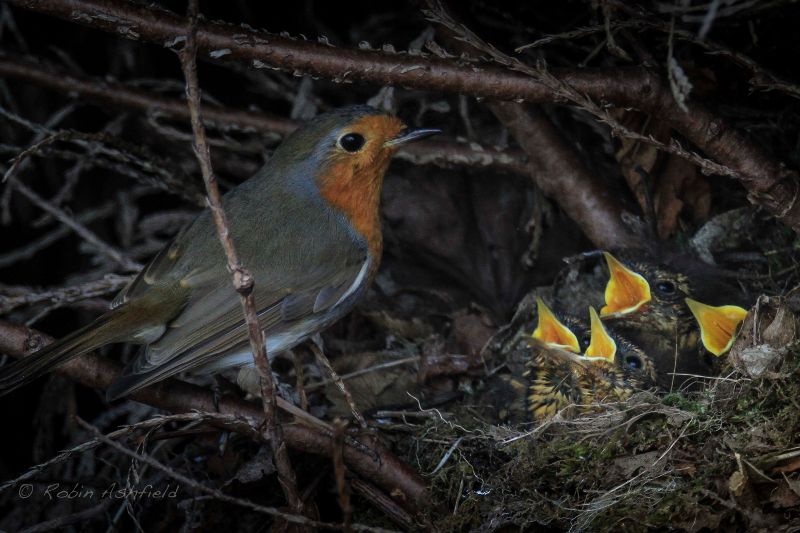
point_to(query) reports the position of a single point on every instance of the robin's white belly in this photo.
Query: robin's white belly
(278, 343)
(275, 344)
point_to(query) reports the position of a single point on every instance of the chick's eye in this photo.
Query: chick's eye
(633, 362)
(351, 142)
(586, 340)
(665, 287)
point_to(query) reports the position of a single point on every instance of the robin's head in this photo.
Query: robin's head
(599, 344)
(344, 154)
(642, 291)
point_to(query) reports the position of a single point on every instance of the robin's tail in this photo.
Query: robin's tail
(104, 330)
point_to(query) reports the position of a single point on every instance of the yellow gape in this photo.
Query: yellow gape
(717, 324)
(552, 332)
(626, 291)
(601, 345)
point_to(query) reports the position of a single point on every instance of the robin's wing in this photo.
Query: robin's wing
(156, 270)
(212, 324)
(305, 259)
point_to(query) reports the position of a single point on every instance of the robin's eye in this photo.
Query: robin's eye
(633, 362)
(351, 142)
(667, 288)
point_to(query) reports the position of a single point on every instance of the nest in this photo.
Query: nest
(726, 456)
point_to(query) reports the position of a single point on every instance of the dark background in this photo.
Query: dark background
(457, 238)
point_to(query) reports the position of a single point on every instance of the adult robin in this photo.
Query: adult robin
(306, 225)
(645, 301)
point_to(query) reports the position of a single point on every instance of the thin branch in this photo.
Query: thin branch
(81, 517)
(439, 153)
(324, 362)
(554, 166)
(61, 295)
(438, 14)
(340, 472)
(243, 280)
(261, 49)
(59, 232)
(373, 460)
(241, 425)
(768, 181)
(563, 177)
(69, 221)
(107, 151)
(763, 78)
(214, 493)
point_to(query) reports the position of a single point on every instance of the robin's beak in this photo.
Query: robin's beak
(552, 332)
(406, 136)
(717, 324)
(601, 346)
(626, 291)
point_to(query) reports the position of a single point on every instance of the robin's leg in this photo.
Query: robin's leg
(222, 387)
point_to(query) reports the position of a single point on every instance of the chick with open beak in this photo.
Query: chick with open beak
(718, 324)
(610, 370)
(654, 307)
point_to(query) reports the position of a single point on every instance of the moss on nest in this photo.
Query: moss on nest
(727, 456)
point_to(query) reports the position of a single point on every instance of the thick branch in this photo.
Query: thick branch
(373, 460)
(440, 153)
(563, 177)
(265, 50)
(769, 183)
(556, 168)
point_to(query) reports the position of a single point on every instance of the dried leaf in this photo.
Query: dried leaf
(785, 495)
(765, 337)
(737, 483)
(255, 469)
(677, 186)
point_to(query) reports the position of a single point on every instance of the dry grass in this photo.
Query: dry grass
(654, 461)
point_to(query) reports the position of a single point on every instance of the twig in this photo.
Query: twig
(325, 363)
(60, 523)
(300, 381)
(107, 151)
(339, 471)
(372, 494)
(554, 165)
(62, 295)
(241, 424)
(369, 370)
(214, 493)
(563, 177)
(243, 280)
(762, 77)
(447, 455)
(69, 221)
(440, 153)
(768, 181)
(59, 232)
(372, 461)
(565, 91)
